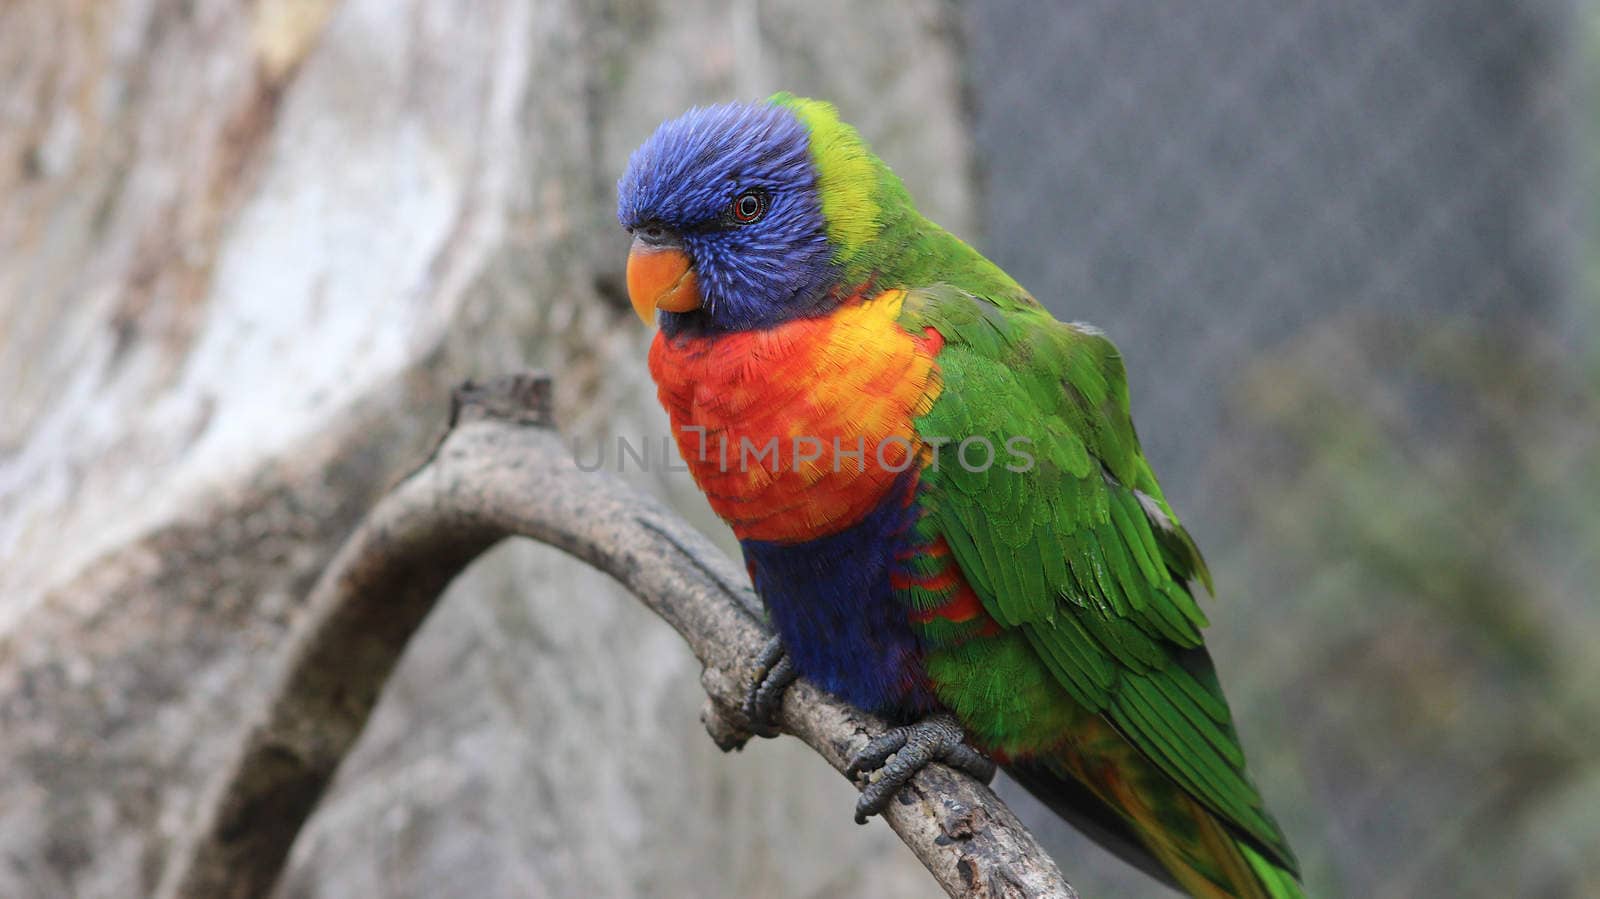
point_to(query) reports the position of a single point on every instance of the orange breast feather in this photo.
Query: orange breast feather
(800, 430)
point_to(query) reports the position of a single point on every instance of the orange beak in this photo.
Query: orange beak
(660, 278)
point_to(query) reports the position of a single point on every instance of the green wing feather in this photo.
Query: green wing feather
(1080, 551)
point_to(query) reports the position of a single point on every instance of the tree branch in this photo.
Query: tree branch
(502, 471)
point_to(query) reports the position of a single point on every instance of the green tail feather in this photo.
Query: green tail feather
(1279, 884)
(1143, 818)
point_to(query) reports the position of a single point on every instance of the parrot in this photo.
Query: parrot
(938, 493)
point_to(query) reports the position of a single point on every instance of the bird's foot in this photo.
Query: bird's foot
(774, 673)
(899, 753)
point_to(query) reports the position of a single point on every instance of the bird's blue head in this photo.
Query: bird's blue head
(727, 221)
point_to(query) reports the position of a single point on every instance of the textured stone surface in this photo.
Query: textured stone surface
(245, 251)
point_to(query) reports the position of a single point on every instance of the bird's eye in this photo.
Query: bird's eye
(748, 207)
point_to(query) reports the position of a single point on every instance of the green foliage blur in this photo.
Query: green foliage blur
(1422, 509)
(1351, 252)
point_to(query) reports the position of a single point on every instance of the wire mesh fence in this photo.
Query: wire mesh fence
(1346, 248)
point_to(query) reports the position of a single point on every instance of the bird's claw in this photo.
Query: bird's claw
(899, 753)
(774, 673)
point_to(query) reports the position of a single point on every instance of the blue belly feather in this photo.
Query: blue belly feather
(831, 602)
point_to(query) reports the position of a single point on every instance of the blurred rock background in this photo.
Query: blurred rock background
(246, 248)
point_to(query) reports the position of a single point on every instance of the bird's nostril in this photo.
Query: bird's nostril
(656, 234)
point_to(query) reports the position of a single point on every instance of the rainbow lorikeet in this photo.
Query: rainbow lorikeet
(938, 491)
